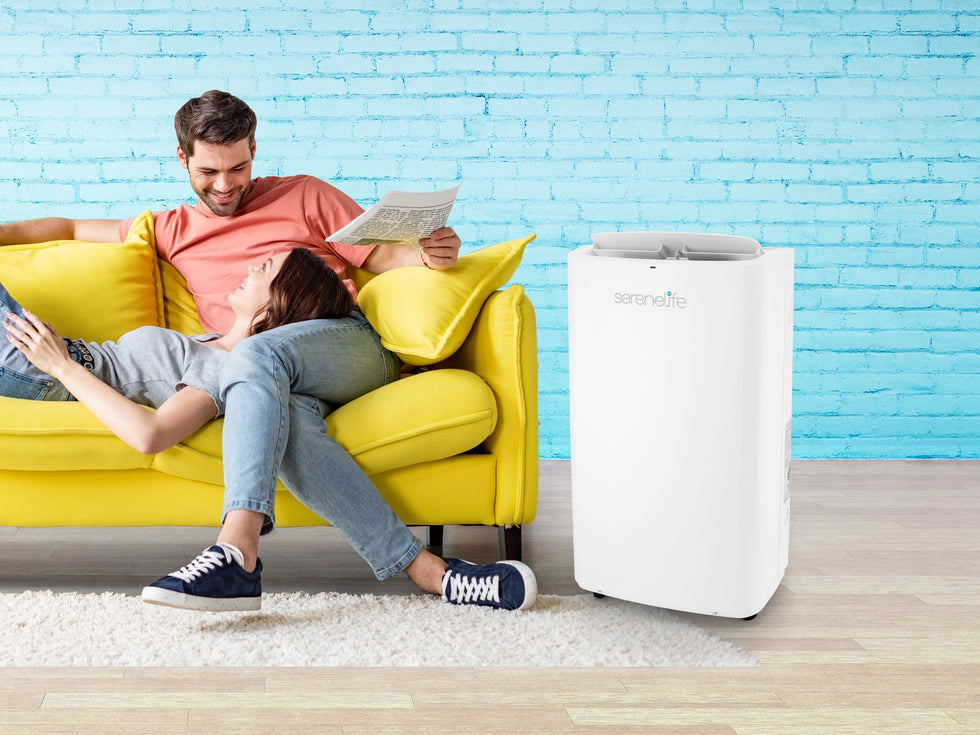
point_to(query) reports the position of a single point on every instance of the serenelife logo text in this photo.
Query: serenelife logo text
(665, 300)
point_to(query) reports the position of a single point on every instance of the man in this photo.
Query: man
(276, 384)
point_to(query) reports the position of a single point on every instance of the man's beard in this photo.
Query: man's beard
(222, 209)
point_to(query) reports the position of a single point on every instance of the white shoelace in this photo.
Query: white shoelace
(463, 589)
(206, 561)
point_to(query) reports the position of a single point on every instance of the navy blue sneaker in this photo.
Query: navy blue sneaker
(506, 585)
(215, 581)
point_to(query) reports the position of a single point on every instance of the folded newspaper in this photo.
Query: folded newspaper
(399, 217)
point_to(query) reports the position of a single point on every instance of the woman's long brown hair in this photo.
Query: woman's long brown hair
(304, 288)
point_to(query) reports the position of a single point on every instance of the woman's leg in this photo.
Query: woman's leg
(19, 378)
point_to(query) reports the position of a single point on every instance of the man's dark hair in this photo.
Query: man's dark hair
(215, 117)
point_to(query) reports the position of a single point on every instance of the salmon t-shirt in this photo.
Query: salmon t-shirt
(213, 252)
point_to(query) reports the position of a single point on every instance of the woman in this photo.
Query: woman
(157, 367)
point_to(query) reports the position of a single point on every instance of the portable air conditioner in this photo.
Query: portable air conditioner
(680, 371)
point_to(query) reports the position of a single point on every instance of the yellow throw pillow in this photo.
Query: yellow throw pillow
(178, 305)
(424, 315)
(93, 291)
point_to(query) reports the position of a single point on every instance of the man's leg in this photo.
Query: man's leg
(336, 360)
(314, 460)
(270, 430)
(327, 480)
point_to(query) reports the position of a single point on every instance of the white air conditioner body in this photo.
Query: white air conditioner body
(680, 380)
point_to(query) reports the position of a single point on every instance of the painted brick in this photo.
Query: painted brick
(928, 22)
(156, 22)
(55, 193)
(219, 20)
(27, 21)
(857, 22)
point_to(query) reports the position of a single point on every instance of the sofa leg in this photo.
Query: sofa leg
(510, 542)
(435, 537)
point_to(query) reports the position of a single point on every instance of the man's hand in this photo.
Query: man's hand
(440, 250)
(39, 342)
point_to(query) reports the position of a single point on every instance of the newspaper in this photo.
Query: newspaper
(399, 217)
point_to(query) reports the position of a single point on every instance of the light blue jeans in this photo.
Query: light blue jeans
(18, 376)
(278, 386)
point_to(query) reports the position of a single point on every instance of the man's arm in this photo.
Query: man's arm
(59, 228)
(440, 250)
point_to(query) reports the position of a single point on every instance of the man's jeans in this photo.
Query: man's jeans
(278, 385)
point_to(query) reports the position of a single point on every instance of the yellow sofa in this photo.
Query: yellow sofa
(454, 441)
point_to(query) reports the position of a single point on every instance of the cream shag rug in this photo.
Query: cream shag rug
(332, 629)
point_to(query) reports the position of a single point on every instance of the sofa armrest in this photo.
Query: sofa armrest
(502, 348)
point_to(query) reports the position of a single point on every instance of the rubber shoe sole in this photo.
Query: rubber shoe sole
(530, 583)
(182, 601)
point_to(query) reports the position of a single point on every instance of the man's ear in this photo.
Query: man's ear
(181, 156)
(253, 150)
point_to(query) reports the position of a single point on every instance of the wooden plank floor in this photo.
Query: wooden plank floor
(876, 628)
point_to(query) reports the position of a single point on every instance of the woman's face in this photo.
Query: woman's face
(253, 294)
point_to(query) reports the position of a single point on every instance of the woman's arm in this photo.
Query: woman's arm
(145, 431)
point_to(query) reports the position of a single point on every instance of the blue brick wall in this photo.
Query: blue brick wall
(846, 130)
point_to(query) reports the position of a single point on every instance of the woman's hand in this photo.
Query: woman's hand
(38, 341)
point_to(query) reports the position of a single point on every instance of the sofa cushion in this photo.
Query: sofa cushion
(424, 315)
(60, 435)
(421, 418)
(93, 291)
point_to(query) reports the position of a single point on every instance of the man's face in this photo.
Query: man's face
(221, 175)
